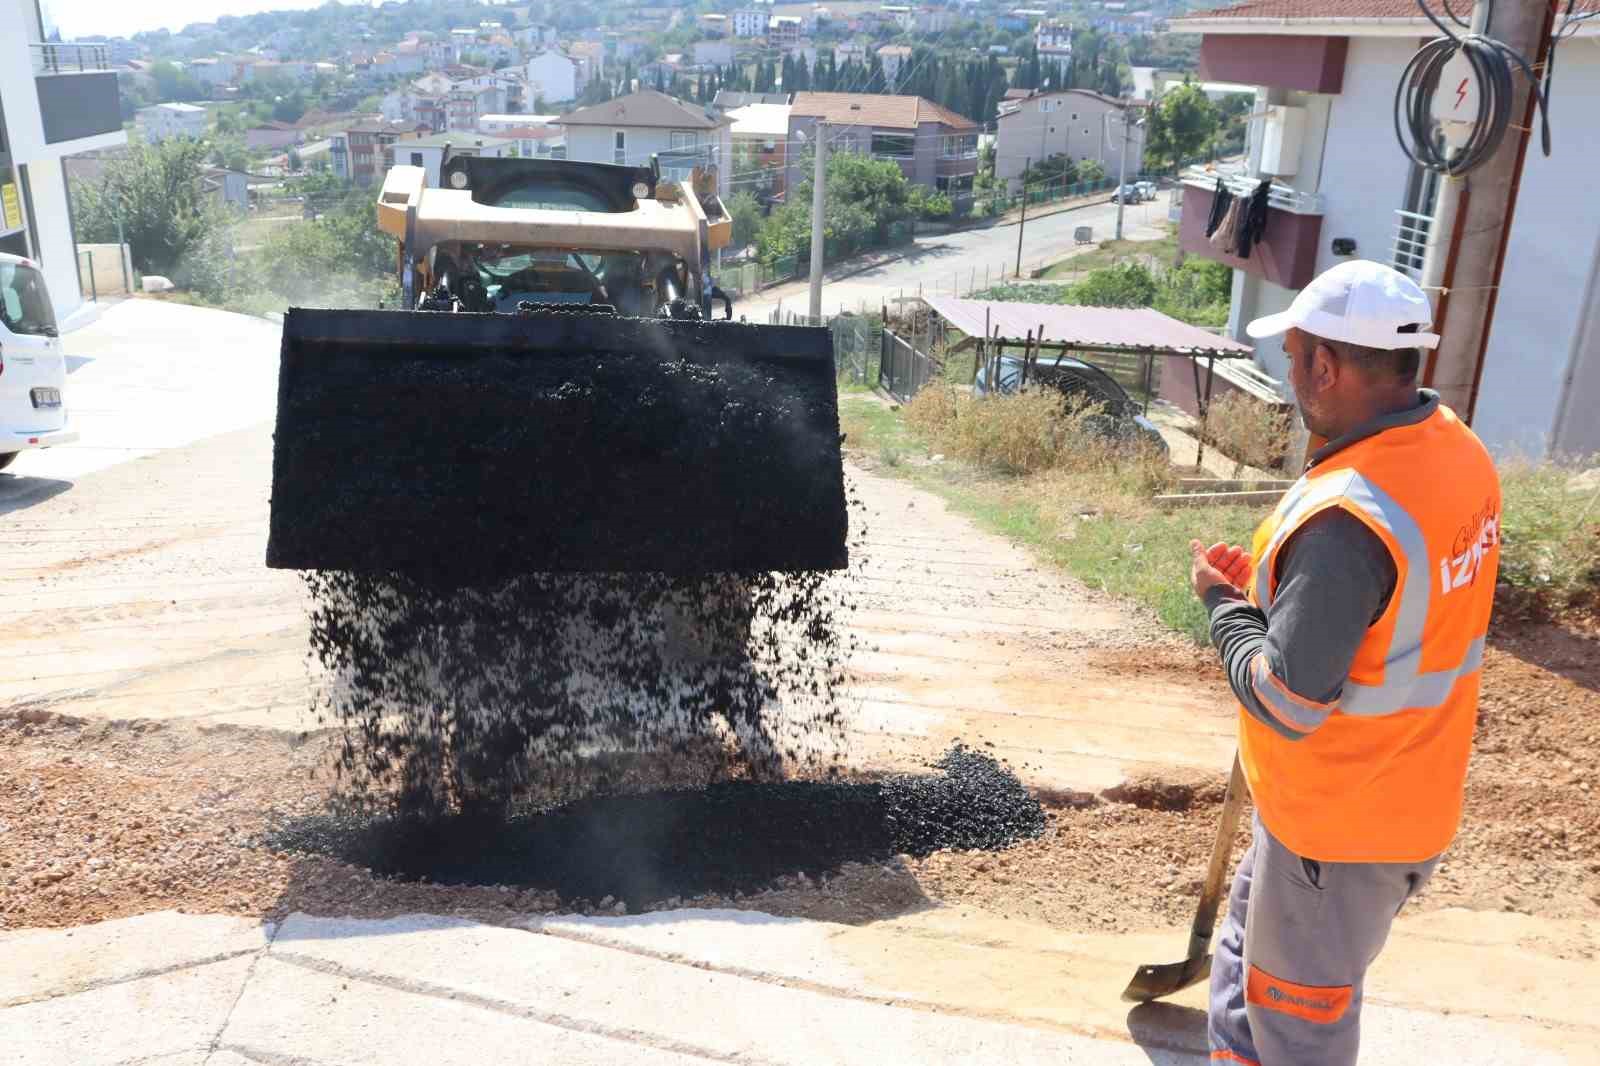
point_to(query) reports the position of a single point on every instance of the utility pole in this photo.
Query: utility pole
(1122, 170)
(1026, 166)
(818, 201)
(1467, 239)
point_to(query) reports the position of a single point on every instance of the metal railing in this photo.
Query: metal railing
(1410, 244)
(1282, 197)
(902, 369)
(70, 58)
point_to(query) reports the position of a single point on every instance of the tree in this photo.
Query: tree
(154, 191)
(1179, 126)
(746, 215)
(1127, 285)
(865, 197)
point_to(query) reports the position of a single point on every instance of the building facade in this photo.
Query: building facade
(1075, 123)
(1053, 39)
(893, 58)
(552, 76)
(934, 147)
(1340, 180)
(633, 129)
(55, 101)
(750, 22)
(161, 122)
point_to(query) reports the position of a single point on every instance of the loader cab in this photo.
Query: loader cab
(553, 184)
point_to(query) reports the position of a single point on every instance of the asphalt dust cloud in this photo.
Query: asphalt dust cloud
(733, 836)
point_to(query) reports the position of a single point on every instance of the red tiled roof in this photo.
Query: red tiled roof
(1320, 10)
(876, 109)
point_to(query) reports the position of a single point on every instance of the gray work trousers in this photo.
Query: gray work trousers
(1294, 950)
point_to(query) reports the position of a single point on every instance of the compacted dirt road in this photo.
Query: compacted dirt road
(154, 724)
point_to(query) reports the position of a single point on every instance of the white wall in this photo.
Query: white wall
(1026, 134)
(552, 76)
(593, 144)
(1549, 262)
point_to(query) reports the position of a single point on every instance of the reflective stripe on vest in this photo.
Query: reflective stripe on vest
(1404, 684)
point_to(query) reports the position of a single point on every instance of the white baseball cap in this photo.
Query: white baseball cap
(1358, 302)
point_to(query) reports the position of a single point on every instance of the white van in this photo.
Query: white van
(33, 371)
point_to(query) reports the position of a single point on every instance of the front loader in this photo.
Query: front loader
(555, 394)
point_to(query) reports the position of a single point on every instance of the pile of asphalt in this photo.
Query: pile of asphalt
(465, 449)
(728, 837)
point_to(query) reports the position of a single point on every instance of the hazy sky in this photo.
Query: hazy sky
(119, 18)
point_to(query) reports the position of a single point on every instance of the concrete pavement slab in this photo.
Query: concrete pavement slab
(661, 1004)
(168, 1015)
(41, 963)
(291, 1014)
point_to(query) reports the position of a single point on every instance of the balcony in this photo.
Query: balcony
(77, 87)
(1287, 253)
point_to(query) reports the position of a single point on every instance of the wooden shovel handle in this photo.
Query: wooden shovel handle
(1205, 917)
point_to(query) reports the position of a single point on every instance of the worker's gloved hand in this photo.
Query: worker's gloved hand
(1221, 564)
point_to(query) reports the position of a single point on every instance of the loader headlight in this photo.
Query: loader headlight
(459, 179)
(640, 190)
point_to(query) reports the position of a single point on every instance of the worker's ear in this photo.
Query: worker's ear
(1326, 367)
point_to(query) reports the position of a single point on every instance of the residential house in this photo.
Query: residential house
(429, 152)
(934, 146)
(1053, 41)
(902, 16)
(760, 144)
(751, 22)
(500, 124)
(536, 142)
(591, 59)
(1076, 123)
(227, 188)
(213, 73)
(49, 112)
(633, 129)
(712, 53)
(728, 99)
(850, 51)
(163, 121)
(933, 19)
(714, 23)
(273, 135)
(534, 36)
(783, 30)
(553, 76)
(1325, 73)
(894, 58)
(357, 154)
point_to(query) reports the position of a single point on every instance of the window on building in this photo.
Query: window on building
(894, 145)
(416, 159)
(1422, 196)
(1074, 116)
(684, 139)
(619, 147)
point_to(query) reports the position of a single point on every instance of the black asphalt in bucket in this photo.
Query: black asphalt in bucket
(472, 448)
(729, 837)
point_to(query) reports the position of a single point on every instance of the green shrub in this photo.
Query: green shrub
(1550, 540)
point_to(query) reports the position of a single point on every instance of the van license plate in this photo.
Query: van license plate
(47, 397)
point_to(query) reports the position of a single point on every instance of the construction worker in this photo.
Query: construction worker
(1352, 633)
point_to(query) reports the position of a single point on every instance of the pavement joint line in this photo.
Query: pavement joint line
(152, 1060)
(112, 982)
(259, 953)
(899, 1002)
(636, 1037)
(265, 1058)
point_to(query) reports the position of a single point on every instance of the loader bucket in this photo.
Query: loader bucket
(466, 448)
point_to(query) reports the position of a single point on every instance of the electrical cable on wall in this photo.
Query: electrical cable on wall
(1447, 75)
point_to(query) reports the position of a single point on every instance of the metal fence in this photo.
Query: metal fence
(902, 369)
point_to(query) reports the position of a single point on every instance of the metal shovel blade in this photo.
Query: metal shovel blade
(1156, 982)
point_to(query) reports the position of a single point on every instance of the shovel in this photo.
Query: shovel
(1156, 981)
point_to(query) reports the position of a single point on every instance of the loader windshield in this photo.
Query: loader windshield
(510, 275)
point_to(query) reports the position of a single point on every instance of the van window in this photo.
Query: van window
(24, 301)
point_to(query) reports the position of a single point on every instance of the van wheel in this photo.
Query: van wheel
(5, 459)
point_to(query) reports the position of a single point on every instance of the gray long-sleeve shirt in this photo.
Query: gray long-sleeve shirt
(1334, 580)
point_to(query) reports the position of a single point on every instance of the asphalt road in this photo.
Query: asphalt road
(963, 259)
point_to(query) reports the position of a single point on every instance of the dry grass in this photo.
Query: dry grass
(1550, 554)
(1247, 431)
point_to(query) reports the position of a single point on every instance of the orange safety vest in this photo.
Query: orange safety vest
(1382, 778)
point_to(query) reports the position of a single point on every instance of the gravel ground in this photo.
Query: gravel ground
(190, 801)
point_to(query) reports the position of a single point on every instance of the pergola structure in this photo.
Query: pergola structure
(992, 326)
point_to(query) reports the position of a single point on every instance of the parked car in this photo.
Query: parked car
(1128, 194)
(1120, 418)
(1147, 189)
(33, 371)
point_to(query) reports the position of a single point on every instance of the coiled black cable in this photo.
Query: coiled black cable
(1493, 65)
